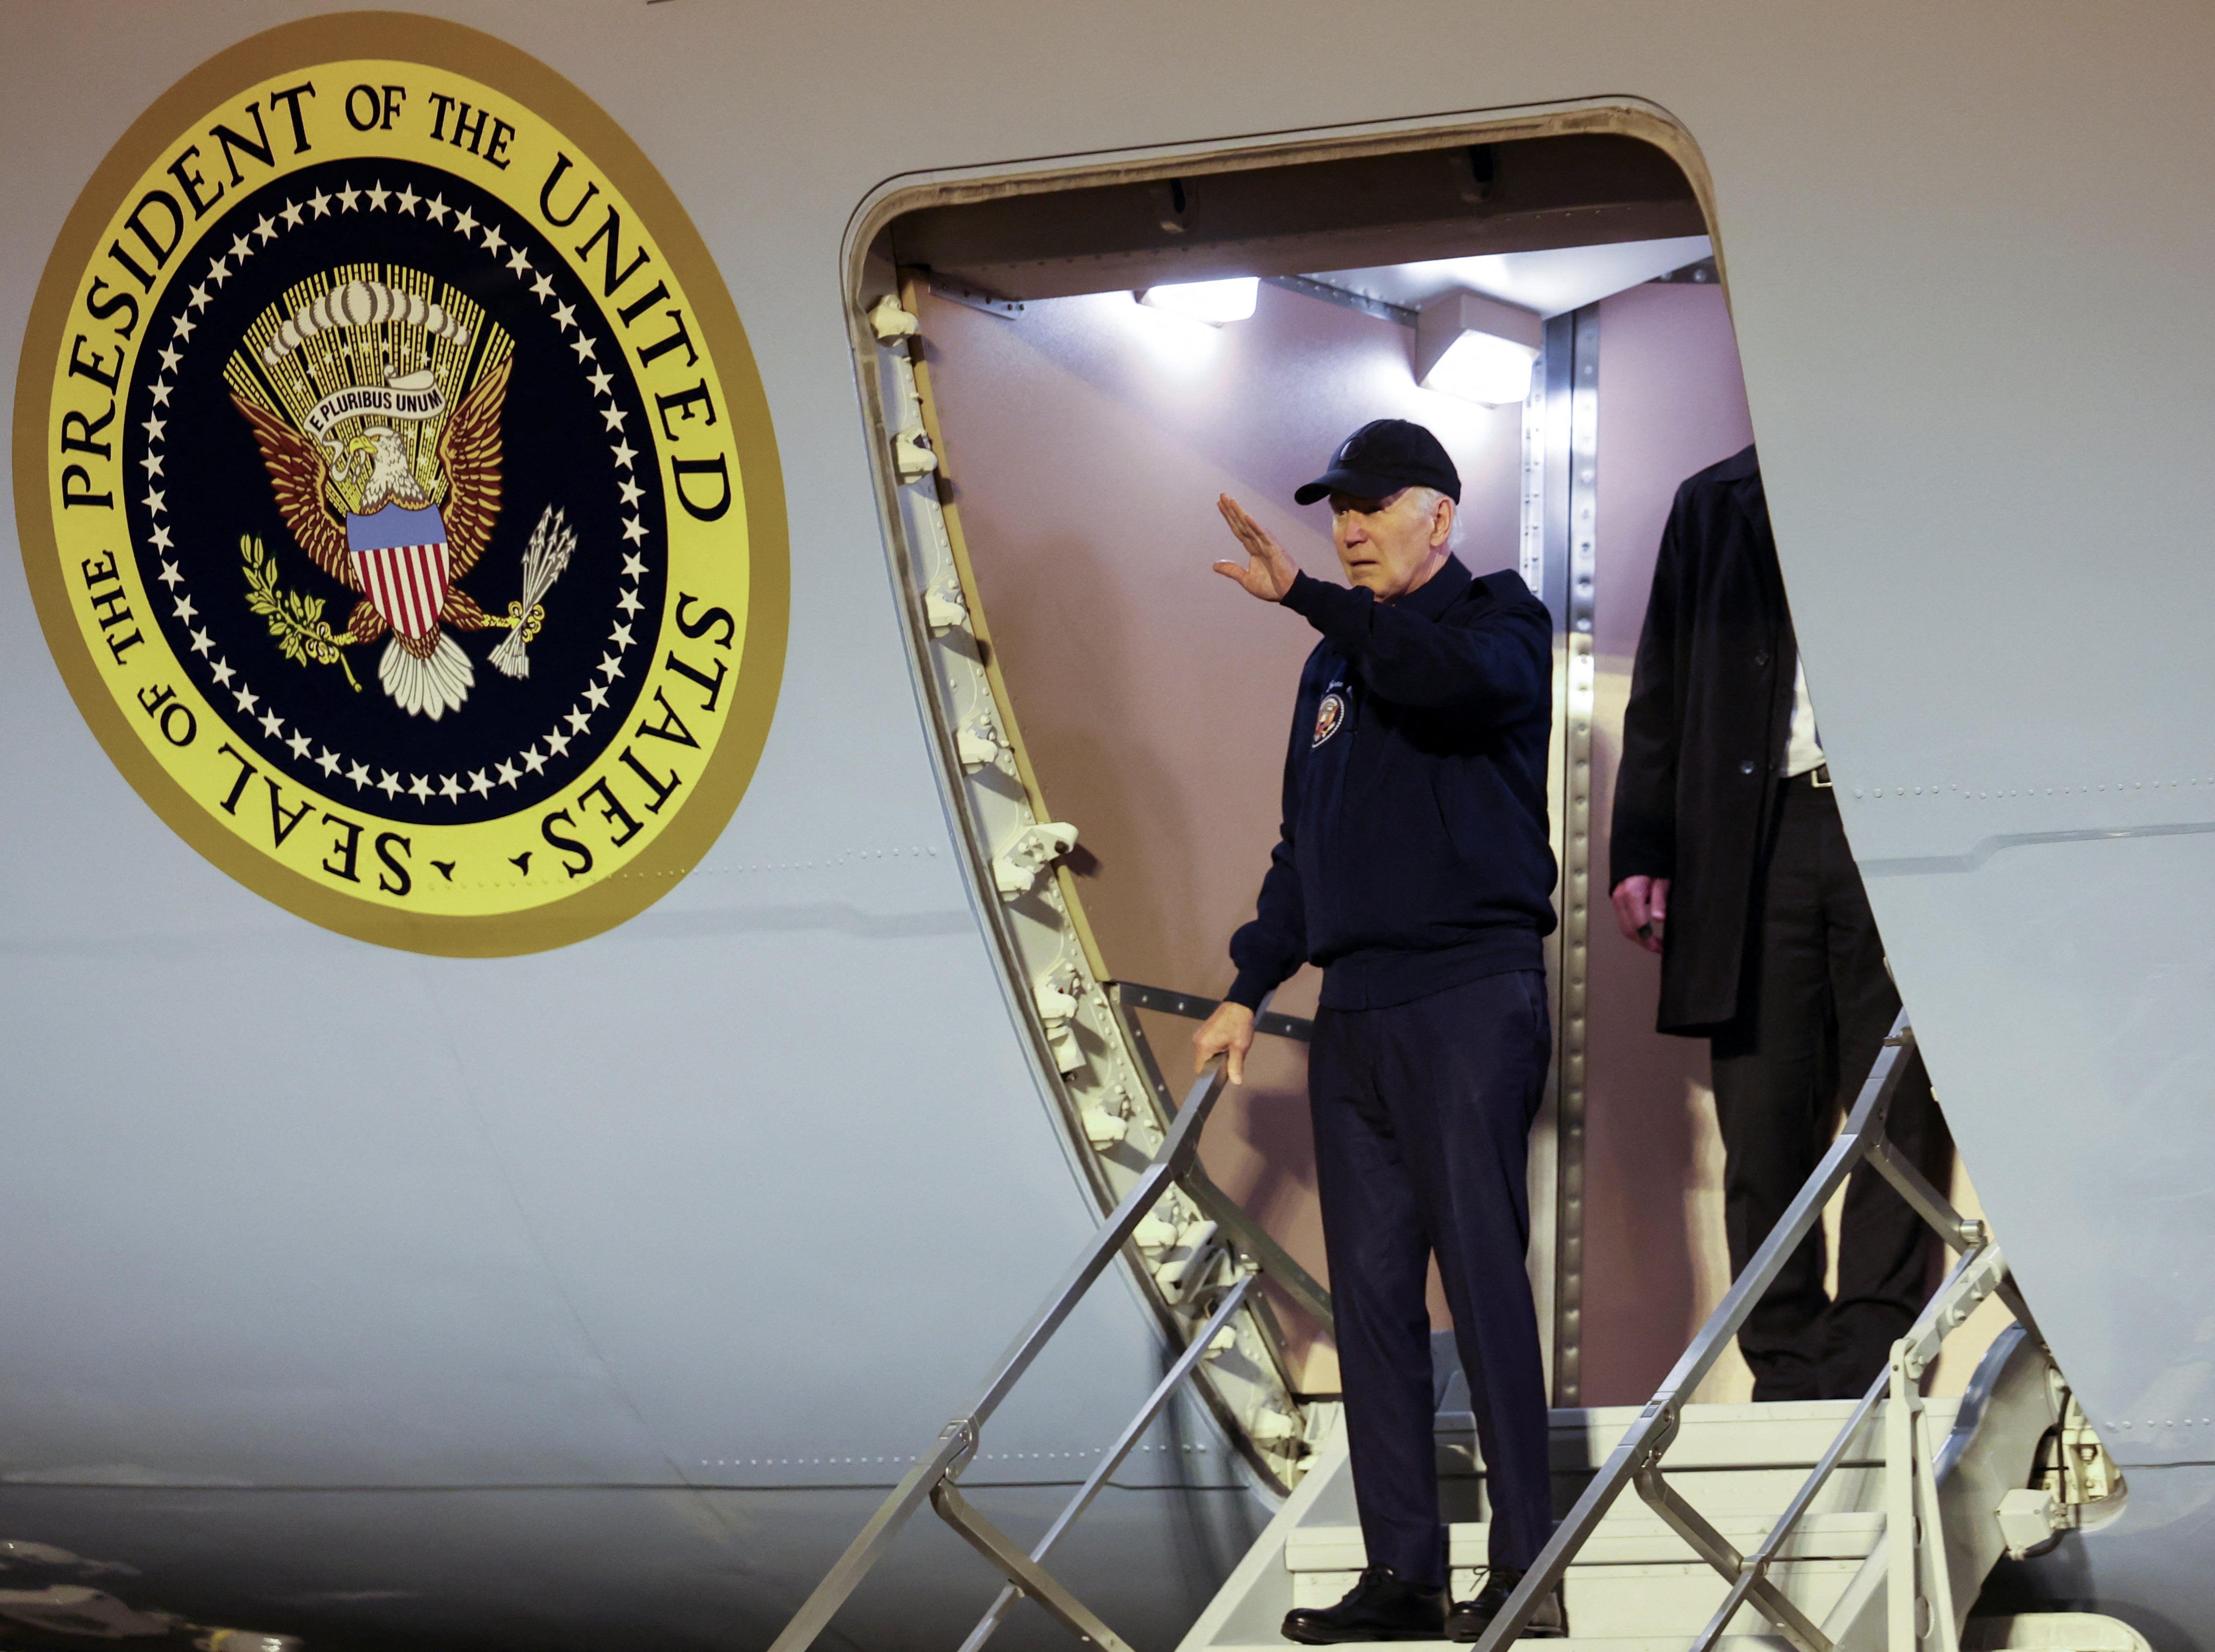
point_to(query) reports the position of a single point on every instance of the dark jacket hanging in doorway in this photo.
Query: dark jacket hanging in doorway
(1704, 735)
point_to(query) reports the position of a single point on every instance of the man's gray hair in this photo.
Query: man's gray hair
(1428, 498)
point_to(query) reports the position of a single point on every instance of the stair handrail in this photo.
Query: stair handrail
(958, 1440)
(1226, 1212)
(934, 1477)
(1195, 1351)
(1637, 1458)
(1980, 1272)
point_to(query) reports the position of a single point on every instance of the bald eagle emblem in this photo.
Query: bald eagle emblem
(376, 404)
(1328, 716)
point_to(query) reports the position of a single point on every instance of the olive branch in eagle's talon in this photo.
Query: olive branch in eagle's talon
(553, 542)
(297, 621)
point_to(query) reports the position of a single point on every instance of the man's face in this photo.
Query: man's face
(1390, 545)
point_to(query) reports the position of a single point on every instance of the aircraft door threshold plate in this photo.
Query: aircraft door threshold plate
(1114, 1113)
(1922, 1611)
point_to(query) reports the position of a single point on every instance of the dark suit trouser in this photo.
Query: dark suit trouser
(1817, 1006)
(1422, 1117)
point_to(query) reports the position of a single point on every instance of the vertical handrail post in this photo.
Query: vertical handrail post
(1900, 1547)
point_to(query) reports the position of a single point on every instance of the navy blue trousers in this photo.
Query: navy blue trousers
(1422, 1120)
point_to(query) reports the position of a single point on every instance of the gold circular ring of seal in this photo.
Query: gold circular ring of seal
(398, 494)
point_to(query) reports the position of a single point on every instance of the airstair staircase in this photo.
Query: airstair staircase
(1636, 1586)
(1634, 1579)
(1849, 1525)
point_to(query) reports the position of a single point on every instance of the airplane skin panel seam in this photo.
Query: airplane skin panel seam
(526, 1488)
(1984, 848)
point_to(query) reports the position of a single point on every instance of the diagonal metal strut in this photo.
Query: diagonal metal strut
(1132, 1432)
(958, 1439)
(1656, 1425)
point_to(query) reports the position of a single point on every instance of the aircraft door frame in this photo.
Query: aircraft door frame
(1054, 977)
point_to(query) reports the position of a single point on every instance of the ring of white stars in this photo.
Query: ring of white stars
(336, 766)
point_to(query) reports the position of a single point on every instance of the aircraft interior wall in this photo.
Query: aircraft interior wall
(1090, 435)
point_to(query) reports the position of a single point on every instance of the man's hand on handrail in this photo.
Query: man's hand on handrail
(1230, 1033)
(1268, 570)
(1641, 907)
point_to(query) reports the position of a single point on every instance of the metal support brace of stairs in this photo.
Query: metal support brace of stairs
(1762, 1525)
(1220, 1274)
(1816, 1526)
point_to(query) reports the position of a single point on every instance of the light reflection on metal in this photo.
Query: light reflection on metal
(1583, 526)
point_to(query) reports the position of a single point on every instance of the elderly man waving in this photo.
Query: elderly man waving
(1416, 868)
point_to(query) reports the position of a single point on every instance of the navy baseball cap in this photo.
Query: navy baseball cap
(1382, 457)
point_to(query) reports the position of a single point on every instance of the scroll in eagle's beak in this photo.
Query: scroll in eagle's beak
(362, 444)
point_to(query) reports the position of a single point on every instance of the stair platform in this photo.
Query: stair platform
(1636, 1585)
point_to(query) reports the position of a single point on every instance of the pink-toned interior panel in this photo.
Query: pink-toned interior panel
(1088, 439)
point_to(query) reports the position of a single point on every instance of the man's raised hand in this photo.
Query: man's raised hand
(1267, 571)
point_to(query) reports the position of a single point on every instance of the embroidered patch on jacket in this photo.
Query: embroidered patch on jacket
(1328, 716)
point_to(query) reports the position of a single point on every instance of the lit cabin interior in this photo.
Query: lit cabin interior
(1108, 357)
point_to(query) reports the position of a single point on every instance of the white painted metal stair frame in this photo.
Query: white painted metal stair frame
(1635, 1585)
(1769, 1523)
(1738, 1464)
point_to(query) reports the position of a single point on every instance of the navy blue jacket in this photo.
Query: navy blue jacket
(1415, 856)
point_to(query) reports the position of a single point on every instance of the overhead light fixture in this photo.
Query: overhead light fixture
(1477, 348)
(1213, 301)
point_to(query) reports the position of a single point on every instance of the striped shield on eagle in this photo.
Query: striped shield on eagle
(399, 556)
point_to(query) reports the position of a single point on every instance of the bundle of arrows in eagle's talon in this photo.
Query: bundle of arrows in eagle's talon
(553, 542)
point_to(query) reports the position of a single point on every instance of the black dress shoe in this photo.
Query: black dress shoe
(1381, 1606)
(1468, 1620)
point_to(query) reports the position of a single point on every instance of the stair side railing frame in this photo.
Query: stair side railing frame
(1910, 1488)
(936, 1471)
(1224, 1285)
(1227, 1304)
(1248, 1237)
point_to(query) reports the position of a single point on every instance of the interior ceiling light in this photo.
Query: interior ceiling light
(1477, 348)
(1213, 301)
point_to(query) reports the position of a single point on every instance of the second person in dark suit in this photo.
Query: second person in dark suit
(1730, 860)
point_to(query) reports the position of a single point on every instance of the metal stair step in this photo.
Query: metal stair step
(2041, 1632)
(1675, 1599)
(1632, 1536)
(1773, 1434)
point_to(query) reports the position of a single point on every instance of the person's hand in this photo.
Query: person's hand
(1228, 1031)
(1641, 907)
(1267, 571)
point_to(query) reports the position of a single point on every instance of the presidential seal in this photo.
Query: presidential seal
(398, 493)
